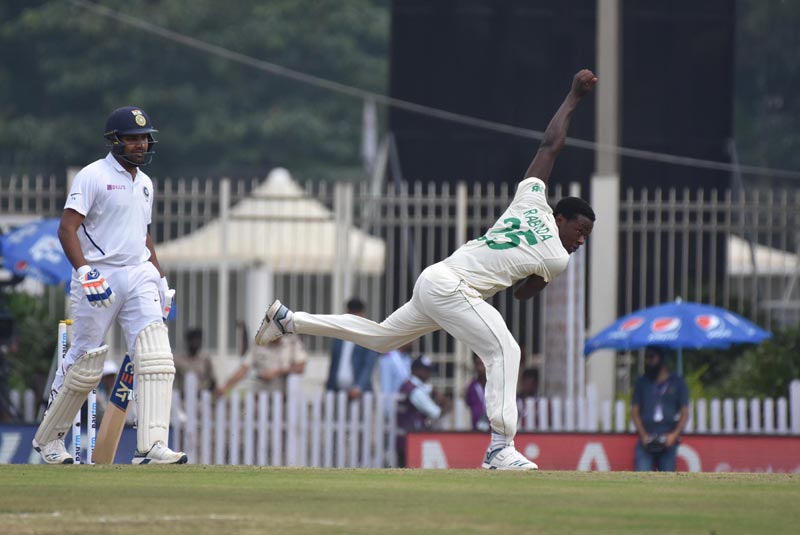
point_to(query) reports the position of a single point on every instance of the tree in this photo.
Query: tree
(765, 370)
(66, 67)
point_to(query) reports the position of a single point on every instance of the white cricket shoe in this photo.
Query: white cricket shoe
(507, 458)
(278, 320)
(160, 454)
(54, 452)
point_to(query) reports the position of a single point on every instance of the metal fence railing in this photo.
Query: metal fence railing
(735, 251)
(326, 430)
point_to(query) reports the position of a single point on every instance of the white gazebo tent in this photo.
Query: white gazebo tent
(760, 261)
(277, 229)
(773, 271)
(279, 226)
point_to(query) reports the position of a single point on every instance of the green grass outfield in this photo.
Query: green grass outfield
(200, 500)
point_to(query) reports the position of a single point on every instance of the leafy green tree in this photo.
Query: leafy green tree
(65, 67)
(35, 334)
(765, 370)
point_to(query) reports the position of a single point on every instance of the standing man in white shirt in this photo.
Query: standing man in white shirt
(104, 233)
(527, 247)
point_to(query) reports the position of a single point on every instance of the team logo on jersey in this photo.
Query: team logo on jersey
(139, 117)
(146, 193)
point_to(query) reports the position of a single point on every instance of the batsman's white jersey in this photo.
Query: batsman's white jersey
(117, 211)
(450, 295)
(113, 239)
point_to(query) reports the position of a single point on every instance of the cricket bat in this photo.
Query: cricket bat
(114, 418)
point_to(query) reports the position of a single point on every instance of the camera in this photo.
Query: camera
(656, 444)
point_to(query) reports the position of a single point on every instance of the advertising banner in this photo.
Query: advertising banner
(15, 445)
(606, 452)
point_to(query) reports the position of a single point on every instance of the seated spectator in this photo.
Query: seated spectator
(419, 406)
(475, 396)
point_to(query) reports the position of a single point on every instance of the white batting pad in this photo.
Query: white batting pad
(82, 377)
(154, 371)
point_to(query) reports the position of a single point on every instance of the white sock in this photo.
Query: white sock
(498, 441)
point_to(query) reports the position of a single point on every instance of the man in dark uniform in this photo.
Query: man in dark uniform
(660, 410)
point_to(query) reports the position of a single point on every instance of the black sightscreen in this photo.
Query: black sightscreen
(511, 61)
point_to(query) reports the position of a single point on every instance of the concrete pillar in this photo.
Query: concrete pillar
(605, 197)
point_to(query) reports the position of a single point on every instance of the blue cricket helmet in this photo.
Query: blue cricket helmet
(129, 121)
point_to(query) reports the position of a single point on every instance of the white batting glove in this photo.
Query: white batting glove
(167, 296)
(95, 287)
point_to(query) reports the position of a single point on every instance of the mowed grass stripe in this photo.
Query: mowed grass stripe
(202, 500)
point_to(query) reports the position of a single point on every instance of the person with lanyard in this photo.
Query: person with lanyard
(659, 410)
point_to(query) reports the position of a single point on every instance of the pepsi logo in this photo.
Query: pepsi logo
(665, 325)
(20, 266)
(632, 324)
(708, 322)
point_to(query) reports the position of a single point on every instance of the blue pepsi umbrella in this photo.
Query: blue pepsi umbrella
(33, 250)
(679, 325)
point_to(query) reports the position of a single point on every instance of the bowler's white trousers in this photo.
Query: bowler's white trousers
(440, 300)
(136, 305)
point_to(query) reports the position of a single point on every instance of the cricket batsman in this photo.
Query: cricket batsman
(104, 233)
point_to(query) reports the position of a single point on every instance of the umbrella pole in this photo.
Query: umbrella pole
(680, 361)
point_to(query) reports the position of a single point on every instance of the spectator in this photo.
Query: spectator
(395, 369)
(476, 397)
(194, 360)
(528, 388)
(272, 365)
(419, 405)
(529, 384)
(351, 365)
(659, 411)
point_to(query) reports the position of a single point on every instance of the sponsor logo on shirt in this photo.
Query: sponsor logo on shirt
(112, 187)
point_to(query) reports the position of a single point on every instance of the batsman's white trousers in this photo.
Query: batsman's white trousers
(440, 300)
(136, 306)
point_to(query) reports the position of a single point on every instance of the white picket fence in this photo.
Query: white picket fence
(325, 430)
